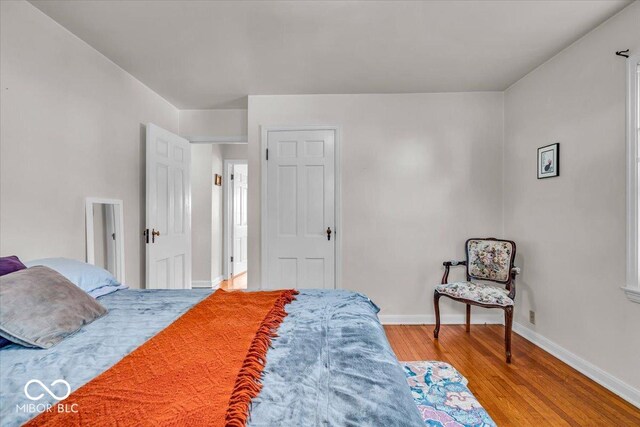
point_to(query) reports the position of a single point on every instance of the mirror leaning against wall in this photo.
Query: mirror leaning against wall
(105, 238)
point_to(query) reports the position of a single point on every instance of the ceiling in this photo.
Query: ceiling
(204, 54)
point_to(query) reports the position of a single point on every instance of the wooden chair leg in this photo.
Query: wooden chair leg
(468, 317)
(436, 305)
(508, 322)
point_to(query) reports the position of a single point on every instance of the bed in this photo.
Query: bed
(331, 364)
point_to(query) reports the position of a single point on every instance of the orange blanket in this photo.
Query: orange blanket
(203, 369)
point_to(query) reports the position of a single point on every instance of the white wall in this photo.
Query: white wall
(202, 213)
(421, 173)
(213, 123)
(570, 230)
(72, 126)
(235, 151)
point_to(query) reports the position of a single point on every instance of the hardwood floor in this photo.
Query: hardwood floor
(236, 282)
(535, 390)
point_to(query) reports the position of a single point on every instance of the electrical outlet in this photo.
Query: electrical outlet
(532, 317)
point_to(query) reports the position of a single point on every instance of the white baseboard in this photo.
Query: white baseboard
(445, 319)
(608, 381)
(199, 284)
(216, 282)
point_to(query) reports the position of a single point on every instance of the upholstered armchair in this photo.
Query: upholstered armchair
(488, 260)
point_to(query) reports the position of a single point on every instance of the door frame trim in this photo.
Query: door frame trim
(227, 206)
(264, 132)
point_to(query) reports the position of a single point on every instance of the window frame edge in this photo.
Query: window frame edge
(632, 288)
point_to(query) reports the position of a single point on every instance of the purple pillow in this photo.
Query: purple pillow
(4, 342)
(9, 264)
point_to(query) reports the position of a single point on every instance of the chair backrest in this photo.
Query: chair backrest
(490, 259)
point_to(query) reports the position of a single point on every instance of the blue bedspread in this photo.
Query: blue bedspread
(134, 317)
(331, 365)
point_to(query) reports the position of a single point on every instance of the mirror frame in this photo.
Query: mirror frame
(119, 227)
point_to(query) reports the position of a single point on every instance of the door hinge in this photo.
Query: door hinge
(267, 154)
(231, 177)
(231, 259)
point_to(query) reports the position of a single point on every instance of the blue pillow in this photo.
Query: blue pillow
(106, 290)
(93, 280)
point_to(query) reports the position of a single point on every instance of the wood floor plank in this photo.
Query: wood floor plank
(236, 282)
(536, 389)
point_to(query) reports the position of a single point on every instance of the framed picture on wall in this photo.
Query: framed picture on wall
(549, 161)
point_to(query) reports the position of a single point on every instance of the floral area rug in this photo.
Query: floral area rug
(442, 397)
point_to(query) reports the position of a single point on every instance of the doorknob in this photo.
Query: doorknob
(154, 234)
(328, 233)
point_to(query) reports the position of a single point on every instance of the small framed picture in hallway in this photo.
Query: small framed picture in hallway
(549, 161)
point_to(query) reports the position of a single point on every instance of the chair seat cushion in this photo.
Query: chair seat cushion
(483, 294)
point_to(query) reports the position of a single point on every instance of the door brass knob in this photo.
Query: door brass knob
(154, 233)
(328, 233)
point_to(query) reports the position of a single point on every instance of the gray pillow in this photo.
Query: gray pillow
(39, 307)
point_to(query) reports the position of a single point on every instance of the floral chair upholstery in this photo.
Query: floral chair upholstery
(487, 260)
(479, 293)
(490, 259)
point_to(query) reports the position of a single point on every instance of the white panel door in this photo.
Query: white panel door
(168, 238)
(300, 209)
(240, 180)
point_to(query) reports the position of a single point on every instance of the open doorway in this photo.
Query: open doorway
(219, 212)
(236, 177)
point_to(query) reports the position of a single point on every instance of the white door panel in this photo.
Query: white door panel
(168, 170)
(240, 181)
(300, 209)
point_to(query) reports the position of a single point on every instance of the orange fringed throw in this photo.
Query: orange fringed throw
(203, 369)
